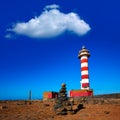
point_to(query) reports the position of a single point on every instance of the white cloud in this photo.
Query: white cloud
(54, 6)
(9, 36)
(51, 23)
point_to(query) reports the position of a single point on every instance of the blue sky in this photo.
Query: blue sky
(40, 41)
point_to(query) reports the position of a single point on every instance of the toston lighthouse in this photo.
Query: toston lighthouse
(85, 90)
(83, 56)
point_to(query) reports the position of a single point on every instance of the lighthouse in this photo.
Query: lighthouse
(85, 90)
(83, 56)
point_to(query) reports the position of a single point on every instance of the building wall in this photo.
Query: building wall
(80, 93)
(49, 95)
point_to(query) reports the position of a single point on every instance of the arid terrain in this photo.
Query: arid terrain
(94, 109)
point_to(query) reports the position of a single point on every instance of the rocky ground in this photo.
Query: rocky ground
(94, 109)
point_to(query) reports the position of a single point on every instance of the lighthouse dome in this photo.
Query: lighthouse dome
(83, 52)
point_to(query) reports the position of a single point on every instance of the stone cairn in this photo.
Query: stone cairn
(62, 104)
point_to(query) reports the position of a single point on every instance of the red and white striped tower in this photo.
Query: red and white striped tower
(83, 56)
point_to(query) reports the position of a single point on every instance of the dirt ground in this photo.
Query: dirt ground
(43, 110)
